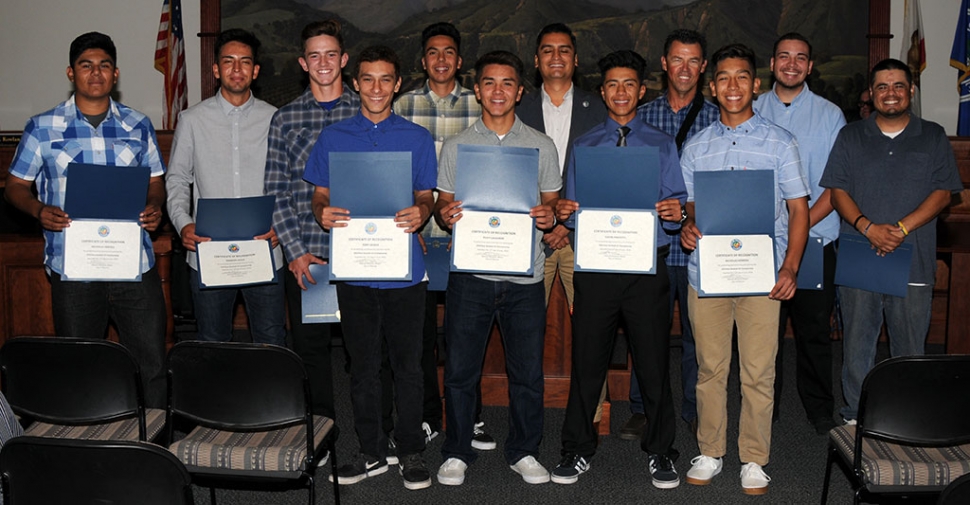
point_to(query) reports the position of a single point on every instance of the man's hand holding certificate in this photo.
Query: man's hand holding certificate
(231, 241)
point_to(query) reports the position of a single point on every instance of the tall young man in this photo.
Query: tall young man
(219, 151)
(381, 313)
(741, 140)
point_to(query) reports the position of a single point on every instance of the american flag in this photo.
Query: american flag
(170, 60)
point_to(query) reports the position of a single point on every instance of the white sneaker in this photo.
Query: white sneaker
(703, 469)
(848, 422)
(532, 471)
(754, 480)
(324, 459)
(429, 434)
(452, 472)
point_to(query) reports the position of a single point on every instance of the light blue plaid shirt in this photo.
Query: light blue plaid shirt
(61, 136)
(659, 114)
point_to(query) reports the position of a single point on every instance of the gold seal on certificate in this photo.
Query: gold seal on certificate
(493, 242)
(613, 240)
(734, 265)
(370, 249)
(102, 250)
(224, 263)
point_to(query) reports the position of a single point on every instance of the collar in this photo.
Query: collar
(72, 113)
(451, 97)
(746, 127)
(227, 107)
(310, 102)
(915, 127)
(800, 98)
(566, 99)
(367, 124)
(481, 129)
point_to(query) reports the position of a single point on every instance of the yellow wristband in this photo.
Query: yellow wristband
(902, 227)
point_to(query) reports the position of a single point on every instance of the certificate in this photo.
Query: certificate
(736, 265)
(102, 250)
(437, 261)
(613, 240)
(493, 242)
(319, 301)
(370, 249)
(225, 263)
(607, 177)
(858, 266)
(811, 269)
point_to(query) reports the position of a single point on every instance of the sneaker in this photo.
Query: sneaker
(754, 480)
(452, 472)
(391, 452)
(633, 429)
(569, 469)
(363, 467)
(703, 469)
(324, 459)
(415, 474)
(532, 471)
(663, 472)
(481, 440)
(429, 433)
(848, 422)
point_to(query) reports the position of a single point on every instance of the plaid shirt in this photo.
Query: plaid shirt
(659, 114)
(63, 135)
(292, 133)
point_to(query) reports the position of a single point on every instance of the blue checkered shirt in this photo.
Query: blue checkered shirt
(659, 114)
(63, 135)
(292, 133)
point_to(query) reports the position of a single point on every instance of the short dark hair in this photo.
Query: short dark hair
(378, 53)
(499, 58)
(555, 28)
(688, 37)
(93, 40)
(891, 64)
(792, 36)
(329, 27)
(441, 28)
(623, 59)
(238, 35)
(739, 51)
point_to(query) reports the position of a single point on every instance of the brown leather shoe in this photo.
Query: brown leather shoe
(633, 429)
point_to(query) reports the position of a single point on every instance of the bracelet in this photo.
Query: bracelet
(902, 227)
(856, 222)
(865, 233)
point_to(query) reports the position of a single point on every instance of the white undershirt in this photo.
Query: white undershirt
(557, 121)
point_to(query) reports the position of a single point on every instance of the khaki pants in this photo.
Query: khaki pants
(563, 260)
(712, 320)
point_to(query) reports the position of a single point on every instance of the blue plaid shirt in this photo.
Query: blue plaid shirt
(293, 131)
(54, 139)
(659, 114)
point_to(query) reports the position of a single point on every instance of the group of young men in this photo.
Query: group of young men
(887, 177)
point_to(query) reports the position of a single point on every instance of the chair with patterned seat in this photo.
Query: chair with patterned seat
(913, 433)
(250, 408)
(76, 388)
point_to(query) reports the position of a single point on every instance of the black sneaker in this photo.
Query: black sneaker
(569, 469)
(663, 472)
(361, 468)
(415, 474)
(481, 440)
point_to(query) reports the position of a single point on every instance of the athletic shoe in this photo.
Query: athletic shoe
(663, 472)
(532, 471)
(481, 440)
(452, 472)
(362, 468)
(569, 469)
(703, 469)
(391, 452)
(415, 474)
(754, 480)
(324, 458)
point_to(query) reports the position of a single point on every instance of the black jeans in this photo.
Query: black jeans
(312, 344)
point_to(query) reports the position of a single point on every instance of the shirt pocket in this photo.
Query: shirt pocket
(127, 152)
(67, 152)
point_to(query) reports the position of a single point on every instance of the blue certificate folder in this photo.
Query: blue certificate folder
(319, 301)
(438, 262)
(858, 266)
(234, 218)
(371, 184)
(105, 192)
(811, 268)
(735, 202)
(611, 178)
(502, 179)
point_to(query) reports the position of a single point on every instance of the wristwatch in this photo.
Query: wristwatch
(683, 214)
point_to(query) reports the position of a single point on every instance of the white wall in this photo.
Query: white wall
(35, 36)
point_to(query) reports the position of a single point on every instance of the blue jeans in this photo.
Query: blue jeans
(370, 319)
(688, 358)
(264, 307)
(907, 319)
(82, 309)
(473, 305)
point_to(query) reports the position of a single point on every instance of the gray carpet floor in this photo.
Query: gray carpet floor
(618, 474)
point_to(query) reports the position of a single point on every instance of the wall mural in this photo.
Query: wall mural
(836, 28)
